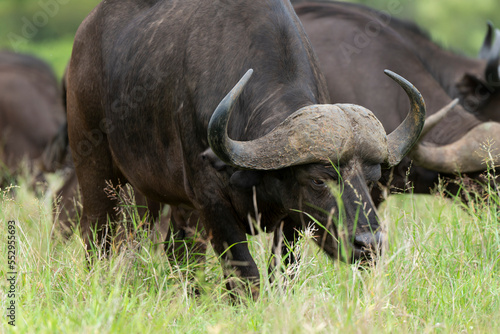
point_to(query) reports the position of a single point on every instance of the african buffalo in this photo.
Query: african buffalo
(67, 206)
(145, 103)
(31, 111)
(355, 43)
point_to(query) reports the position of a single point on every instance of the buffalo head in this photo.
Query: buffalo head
(316, 150)
(481, 96)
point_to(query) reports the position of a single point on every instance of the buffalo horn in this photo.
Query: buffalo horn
(316, 133)
(220, 143)
(434, 119)
(491, 53)
(401, 140)
(486, 47)
(471, 153)
(306, 136)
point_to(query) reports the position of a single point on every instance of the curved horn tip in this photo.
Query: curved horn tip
(399, 79)
(217, 126)
(244, 79)
(443, 112)
(402, 139)
(433, 120)
(409, 88)
(490, 25)
(242, 82)
(248, 73)
(487, 43)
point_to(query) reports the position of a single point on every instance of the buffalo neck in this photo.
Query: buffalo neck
(270, 40)
(263, 35)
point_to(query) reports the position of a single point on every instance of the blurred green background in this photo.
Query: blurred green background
(46, 27)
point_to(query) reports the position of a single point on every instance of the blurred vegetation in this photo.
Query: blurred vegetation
(456, 25)
(46, 27)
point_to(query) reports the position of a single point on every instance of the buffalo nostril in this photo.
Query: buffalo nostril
(369, 240)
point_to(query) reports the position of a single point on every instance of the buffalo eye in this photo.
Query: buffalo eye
(318, 182)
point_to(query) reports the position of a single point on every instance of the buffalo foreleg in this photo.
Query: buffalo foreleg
(229, 241)
(96, 172)
(185, 238)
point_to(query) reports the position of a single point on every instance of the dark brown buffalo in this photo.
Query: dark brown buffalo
(67, 202)
(31, 111)
(144, 90)
(355, 43)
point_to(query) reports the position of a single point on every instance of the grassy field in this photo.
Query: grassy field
(439, 273)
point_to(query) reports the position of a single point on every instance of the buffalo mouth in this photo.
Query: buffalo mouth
(363, 255)
(366, 247)
(363, 250)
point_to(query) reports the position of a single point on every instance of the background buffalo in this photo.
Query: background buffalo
(354, 43)
(31, 112)
(439, 271)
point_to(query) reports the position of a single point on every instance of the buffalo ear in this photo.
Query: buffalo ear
(473, 92)
(245, 179)
(214, 160)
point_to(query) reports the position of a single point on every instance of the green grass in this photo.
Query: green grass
(439, 273)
